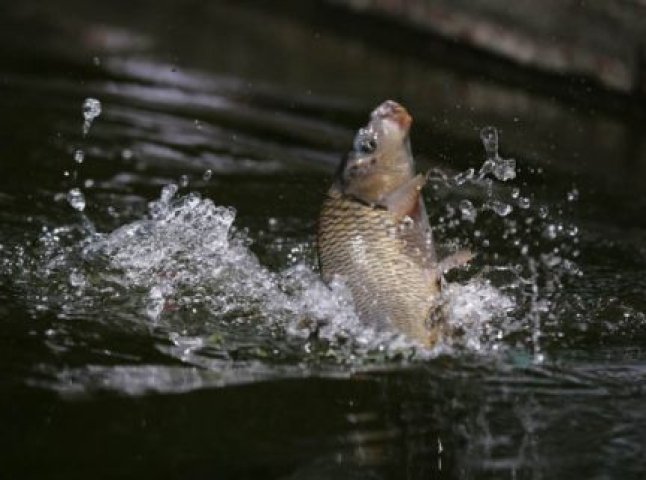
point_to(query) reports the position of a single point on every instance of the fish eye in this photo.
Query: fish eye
(365, 143)
(368, 146)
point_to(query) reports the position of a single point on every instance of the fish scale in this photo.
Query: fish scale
(383, 260)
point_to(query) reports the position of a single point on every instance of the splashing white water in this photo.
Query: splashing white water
(187, 270)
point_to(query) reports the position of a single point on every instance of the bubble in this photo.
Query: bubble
(79, 156)
(468, 211)
(91, 110)
(207, 175)
(76, 199)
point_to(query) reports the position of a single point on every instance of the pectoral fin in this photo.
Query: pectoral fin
(455, 260)
(405, 199)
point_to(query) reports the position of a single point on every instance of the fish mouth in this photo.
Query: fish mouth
(391, 110)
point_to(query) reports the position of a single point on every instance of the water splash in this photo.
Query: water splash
(528, 251)
(187, 270)
(503, 169)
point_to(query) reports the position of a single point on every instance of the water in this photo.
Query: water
(91, 110)
(161, 307)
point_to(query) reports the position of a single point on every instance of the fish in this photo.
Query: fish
(375, 236)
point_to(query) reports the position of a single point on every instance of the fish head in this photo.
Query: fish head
(380, 159)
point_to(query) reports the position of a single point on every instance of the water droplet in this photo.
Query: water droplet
(573, 230)
(468, 211)
(489, 137)
(126, 154)
(197, 124)
(96, 61)
(79, 156)
(515, 192)
(207, 175)
(524, 202)
(504, 169)
(550, 231)
(463, 177)
(500, 208)
(573, 195)
(89, 183)
(543, 211)
(91, 110)
(183, 181)
(168, 192)
(76, 199)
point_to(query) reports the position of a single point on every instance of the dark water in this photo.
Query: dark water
(190, 337)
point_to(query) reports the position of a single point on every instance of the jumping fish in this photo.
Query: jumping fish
(374, 233)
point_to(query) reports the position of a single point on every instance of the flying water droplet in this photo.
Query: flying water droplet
(91, 110)
(76, 199)
(524, 202)
(502, 168)
(489, 137)
(207, 175)
(126, 154)
(463, 177)
(468, 211)
(183, 181)
(543, 211)
(573, 195)
(499, 208)
(79, 156)
(551, 231)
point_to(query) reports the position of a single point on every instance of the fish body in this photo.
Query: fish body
(374, 234)
(386, 272)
